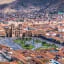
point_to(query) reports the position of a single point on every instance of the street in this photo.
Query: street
(9, 42)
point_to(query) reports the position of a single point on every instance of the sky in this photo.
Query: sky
(6, 1)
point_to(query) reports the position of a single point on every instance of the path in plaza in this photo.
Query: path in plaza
(9, 42)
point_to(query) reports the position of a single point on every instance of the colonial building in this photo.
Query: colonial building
(2, 32)
(15, 30)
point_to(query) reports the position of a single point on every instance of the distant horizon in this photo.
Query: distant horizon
(28, 6)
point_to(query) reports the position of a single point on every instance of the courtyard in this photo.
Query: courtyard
(33, 43)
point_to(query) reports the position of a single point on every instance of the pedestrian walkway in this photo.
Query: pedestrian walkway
(8, 42)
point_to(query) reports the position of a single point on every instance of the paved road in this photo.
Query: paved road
(44, 40)
(9, 42)
(51, 42)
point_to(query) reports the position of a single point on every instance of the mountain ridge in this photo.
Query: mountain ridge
(44, 5)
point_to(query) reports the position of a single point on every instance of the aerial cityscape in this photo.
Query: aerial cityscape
(31, 31)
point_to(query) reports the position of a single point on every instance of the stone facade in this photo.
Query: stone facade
(14, 30)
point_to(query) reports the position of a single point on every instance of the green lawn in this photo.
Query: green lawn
(22, 40)
(38, 41)
(46, 46)
(28, 46)
(22, 43)
(49, 45)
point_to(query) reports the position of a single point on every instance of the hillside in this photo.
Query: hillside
(34, 5)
